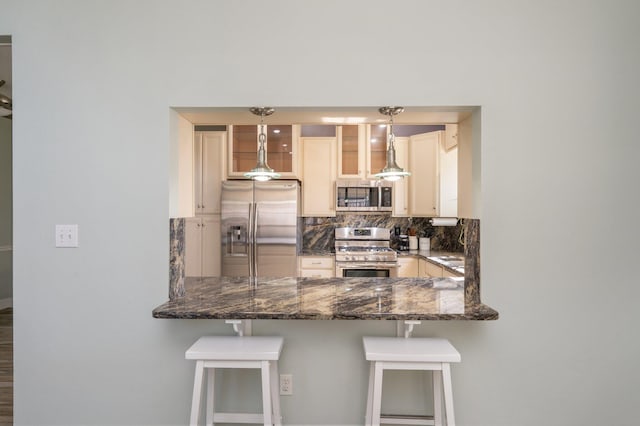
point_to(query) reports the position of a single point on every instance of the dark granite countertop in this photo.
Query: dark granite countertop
(325, 299)
(437, 257)
(308, 252)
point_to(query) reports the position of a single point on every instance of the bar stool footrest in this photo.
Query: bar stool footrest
(238, 418)
(401, 419)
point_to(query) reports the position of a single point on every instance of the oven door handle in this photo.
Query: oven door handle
(371, 265)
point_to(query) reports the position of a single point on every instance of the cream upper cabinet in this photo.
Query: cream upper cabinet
(423, 182)
(376, 149)
(448, 159)
(351, 151)
(281, 149)
(401, 187)
(209, 149)
(362, 150)
(450, 136)
(433, 184)
(407, 267)
(319, 158)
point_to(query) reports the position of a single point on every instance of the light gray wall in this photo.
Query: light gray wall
(557, 82)
(6, 254)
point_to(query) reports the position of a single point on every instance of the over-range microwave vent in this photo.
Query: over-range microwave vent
(364, 195)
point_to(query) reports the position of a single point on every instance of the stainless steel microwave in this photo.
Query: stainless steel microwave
(364, 195)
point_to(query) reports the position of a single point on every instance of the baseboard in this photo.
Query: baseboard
(6, 303)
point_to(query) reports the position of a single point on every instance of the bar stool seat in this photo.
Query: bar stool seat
(211, 352)
(399, 353)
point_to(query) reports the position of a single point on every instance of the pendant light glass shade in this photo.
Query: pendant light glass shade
(262, 171)
(391, 170)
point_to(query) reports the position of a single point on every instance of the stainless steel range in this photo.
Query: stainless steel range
(365, 252)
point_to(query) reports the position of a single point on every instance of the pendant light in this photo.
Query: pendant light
(262, 171)
(391, 170)
(6, 105)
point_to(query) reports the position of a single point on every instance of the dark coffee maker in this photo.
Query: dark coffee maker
(404, 243)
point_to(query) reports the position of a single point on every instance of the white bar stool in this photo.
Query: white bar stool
(398, 353)
(211, 352)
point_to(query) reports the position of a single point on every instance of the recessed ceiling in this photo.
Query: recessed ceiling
(326, 115)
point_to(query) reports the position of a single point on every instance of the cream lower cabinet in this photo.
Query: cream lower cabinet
(407, 267)
(202, 246)
(431, 270)
(317, 267)
(422, 268)
(319, 159)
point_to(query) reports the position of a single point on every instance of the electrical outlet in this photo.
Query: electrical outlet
(66, 235)
(286, 384)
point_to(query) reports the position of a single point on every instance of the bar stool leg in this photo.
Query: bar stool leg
(437, 397)
(211, 377)
(367, 416)
(448, 394)
(197, 393)
(377, 394)
(275, 395)
(266, 393)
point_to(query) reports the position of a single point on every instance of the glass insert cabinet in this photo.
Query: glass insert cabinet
(280, 148)
(362, 150)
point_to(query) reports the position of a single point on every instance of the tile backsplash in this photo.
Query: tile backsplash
(318, 234)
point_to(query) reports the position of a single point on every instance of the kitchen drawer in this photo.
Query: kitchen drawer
(317, 273)
(324, 262)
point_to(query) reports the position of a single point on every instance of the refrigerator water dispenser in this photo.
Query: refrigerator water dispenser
(237, 240)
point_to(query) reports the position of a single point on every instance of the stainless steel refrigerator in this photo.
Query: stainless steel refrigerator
(260, 222)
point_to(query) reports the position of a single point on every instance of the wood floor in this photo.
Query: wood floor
(6, 367)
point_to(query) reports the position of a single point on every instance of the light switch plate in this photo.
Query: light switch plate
(66, 235)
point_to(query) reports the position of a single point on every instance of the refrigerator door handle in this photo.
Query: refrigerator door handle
(253, 217)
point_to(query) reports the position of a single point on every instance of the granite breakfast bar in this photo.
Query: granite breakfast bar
(325, 299)
(242, 298)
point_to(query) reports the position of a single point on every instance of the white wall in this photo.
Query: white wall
(557, 83)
